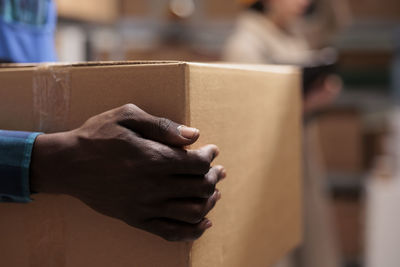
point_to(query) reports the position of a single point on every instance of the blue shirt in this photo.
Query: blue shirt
(15, 159)
(27, 30)
(26, 35)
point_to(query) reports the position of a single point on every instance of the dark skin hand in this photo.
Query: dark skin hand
(130, 165)
(323, 94)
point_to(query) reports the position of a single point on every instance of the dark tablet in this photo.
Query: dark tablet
(314, 75)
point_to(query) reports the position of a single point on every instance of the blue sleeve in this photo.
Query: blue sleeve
(15, 158)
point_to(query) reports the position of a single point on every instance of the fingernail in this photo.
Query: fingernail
(188, 132)
(216, 153)
(223, 173)
(219, 195)
(208, 224)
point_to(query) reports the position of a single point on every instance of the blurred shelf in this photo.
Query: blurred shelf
(367, 99)
(369, 35)
(367, 78)
(346, 184)
(387, 9)
(366, 52)
(353, 263)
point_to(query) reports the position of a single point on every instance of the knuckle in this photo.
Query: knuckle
(163, 125)
(208, 188)
(200, 161)
(212, 203)
(160, 126)
(211, 176)
(204, 164)
(122, 137)
(129, 112)
(158, 154)
(129, 108)
(198, 214)
(164, 154)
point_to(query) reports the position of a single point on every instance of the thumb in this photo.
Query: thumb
(170, 133)
(158, 129)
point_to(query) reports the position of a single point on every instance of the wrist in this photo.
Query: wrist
(48, 154)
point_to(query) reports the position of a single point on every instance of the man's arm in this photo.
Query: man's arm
(15, 158)
(132, 166)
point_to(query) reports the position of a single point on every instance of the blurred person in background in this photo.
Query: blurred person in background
(275, 32)
(395, 75)
(297, 32)
(138, 150)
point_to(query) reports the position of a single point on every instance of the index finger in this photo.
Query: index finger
(194, 162)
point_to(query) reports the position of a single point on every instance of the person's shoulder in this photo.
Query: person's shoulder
(247, 28)
(248, 42)
(242, 47)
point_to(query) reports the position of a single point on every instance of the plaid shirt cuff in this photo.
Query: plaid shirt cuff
(15, 159)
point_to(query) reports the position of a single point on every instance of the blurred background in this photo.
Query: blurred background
(351, 142)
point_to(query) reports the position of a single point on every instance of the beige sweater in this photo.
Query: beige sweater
(257, 40)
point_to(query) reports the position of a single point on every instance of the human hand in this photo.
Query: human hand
(323, 94)
(130, 165)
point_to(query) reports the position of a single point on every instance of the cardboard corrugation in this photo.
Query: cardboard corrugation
(252, 113)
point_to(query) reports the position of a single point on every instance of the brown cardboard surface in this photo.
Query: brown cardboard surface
(222, 9)
(341, 135)
(349, 214)
(255, 120)
(89, 10)
(251, 112)
(136, 8)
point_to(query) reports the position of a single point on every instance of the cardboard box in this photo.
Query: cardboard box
(138, 8)
(222, 9)
(104, 11)
(253, 113)
(341, 137)
(349, 215)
